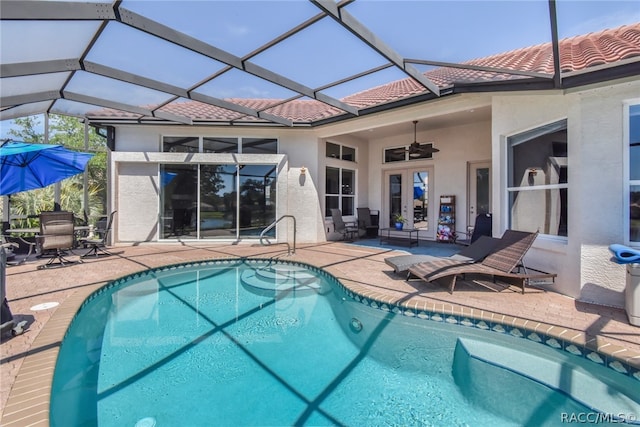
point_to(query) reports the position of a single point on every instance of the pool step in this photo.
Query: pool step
(281, 279)
(498, 378)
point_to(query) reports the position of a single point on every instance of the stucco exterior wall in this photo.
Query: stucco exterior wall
(137, 202)
(136, 190)
(457, 144)
(596, 184)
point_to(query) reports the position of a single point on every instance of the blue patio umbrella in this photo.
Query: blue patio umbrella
(25, 166)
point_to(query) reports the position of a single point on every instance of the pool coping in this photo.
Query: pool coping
(29, 398)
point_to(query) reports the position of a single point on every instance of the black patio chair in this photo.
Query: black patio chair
(482, 227)
(99, 241)
(346, 229)
(366, 223)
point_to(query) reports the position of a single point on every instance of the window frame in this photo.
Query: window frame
(340, 195)
(515, 139)
(240, 141)
(341, 148)
(626, 170)
(406, 156)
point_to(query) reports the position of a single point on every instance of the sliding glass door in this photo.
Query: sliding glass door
(216, 201)
(178, 201)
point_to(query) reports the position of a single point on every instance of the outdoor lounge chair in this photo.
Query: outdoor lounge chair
(472, 253)
(504, 262)
(347, 230)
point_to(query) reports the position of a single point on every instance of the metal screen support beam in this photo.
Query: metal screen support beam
(557, 76)
(349, 22)
(85, 176)
(156, 29)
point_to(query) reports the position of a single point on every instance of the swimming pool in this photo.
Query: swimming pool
(257, 342)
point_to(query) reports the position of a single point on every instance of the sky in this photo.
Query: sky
(449, 31)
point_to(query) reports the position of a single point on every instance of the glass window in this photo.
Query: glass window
(259, 146)
(219, 145)
(538, 180)
(333, 150)
(180, 144)
(332, 181)
(337, 151)
(404, 153)
(422, 153)
(349, 154)
(634, 173)
(340, 190)
(348, 181)
(191, 144)
(395, 155)
(634, 213)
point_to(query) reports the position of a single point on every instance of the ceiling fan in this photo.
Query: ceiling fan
(417, 149)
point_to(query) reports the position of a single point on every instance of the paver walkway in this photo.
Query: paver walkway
(358, 267)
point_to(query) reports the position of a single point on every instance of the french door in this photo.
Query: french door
(407, 192)
(479, 190)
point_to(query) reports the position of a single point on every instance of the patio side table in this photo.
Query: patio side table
(406, 234)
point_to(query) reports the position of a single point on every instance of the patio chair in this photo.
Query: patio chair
(346, 229)
(98, 243)
(365, 223)
(475, 252)
(56, 235)
(14, 245)
(482, 227)
(504, 262)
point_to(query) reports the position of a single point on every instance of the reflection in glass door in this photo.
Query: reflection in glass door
(257, 199)
(203, 201)
(218, 201)
(396, 203)
(421, 199)
(179, 200)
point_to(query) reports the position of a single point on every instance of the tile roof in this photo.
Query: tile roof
(576, 54)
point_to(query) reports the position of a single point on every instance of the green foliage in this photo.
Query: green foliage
(68, 132)
(71, 198)
(28, 132)
(398, 218)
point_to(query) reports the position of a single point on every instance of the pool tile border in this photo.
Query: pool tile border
(617, 358)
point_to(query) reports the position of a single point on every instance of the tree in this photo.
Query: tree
(68, 132)
(28, 132)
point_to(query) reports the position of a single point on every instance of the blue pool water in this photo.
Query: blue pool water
(258, 343)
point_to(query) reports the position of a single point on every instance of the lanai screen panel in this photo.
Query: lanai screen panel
(260, 60)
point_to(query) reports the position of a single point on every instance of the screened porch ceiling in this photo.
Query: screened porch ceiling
(284, 63)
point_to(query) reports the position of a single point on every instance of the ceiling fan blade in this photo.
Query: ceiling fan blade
(418, 148)
(427, 150)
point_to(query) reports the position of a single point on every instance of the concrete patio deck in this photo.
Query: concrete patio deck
(27, 361)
